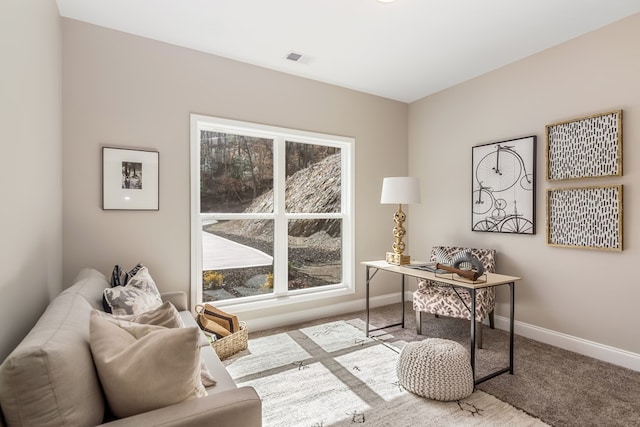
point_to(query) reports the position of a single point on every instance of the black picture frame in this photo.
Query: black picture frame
(503, 186)
(130, 179)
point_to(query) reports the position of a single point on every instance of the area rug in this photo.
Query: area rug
(332, 375)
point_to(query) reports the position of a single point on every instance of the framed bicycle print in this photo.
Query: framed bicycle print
(587, 147)
(503, 186)
(585, 217)
(130, 179)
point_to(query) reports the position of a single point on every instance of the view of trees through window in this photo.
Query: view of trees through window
(237, 182)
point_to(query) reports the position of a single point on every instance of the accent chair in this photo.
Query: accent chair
(442, 300)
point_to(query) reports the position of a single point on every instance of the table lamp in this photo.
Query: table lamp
(399, 190)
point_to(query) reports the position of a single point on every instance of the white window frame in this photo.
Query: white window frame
(281, 295)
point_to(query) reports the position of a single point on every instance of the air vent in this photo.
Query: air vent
(293, 56)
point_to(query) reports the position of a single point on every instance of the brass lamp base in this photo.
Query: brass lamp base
(398, 259)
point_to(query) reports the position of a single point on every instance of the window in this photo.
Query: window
(271, 214)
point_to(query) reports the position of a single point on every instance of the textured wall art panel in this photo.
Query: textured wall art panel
(586, 217)
(585, 148)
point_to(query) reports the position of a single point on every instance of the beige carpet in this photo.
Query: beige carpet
(560, 387)
(330, 374)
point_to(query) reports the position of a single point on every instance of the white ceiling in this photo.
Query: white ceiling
(403, 50)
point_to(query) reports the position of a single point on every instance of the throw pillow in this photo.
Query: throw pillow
(105, 304)
(133, 376)
(166, 316)
(143, 280)
(116, 275)
(139, 295)
(129, 274)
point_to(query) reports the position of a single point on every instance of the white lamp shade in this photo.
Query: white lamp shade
(400, 190)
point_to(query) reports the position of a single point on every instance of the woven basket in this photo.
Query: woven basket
(231, 344)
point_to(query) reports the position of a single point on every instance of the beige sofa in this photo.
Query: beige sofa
(50, 378)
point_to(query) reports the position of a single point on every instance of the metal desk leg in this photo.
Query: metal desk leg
(368, 277)
(472, 293)
(511, 324)
(511, 335)
(367, 280)
(402, 296)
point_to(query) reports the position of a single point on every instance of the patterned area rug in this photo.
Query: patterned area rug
(332, 375)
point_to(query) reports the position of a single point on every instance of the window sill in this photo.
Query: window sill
(274, 301)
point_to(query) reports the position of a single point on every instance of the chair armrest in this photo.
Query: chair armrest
(177, 298)
(238, 407)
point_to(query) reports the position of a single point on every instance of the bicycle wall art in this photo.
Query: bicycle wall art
(503, 186)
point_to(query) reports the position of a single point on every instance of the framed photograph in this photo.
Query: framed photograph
(585, 217)
(503, 186)
(130, 179)
(587, 147)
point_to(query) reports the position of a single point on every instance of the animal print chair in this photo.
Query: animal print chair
(441, 300)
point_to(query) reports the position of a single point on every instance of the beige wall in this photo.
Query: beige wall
(31, 154)
(589, 294)
(122, 90)
(127, 91)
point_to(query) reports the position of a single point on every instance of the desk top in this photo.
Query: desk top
(492, 279)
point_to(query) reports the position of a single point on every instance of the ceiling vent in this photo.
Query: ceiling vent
(293, 56)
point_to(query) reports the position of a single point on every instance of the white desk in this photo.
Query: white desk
(486, 281)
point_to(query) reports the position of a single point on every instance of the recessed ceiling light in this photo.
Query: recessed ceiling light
(386, 1)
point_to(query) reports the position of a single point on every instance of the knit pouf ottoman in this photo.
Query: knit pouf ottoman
(436, 368)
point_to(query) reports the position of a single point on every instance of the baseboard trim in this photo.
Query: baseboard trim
(290, 318)
(593, 349)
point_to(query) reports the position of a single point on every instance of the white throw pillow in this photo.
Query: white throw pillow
(145, 367)
(167, 316)
(138, 296)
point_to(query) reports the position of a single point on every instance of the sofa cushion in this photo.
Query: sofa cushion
(145, 367)
(51, 370)
(139, 295)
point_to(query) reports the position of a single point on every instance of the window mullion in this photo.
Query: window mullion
(280, 233)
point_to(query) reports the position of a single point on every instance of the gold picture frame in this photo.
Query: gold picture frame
(586, 147)
(585, 217)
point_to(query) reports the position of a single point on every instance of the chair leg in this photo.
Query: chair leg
(479, 334)
(491, 322)
(418, 322)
